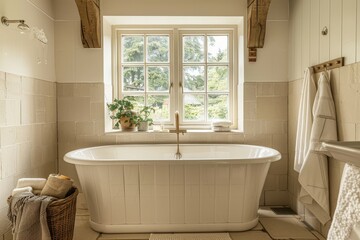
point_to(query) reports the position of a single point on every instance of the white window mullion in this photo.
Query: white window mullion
(176, 65)
(173, 73)
(206, 79)
(145, 70)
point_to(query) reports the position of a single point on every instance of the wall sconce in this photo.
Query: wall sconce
(22, 25)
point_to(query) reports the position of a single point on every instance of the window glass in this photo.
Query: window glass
(186, 70)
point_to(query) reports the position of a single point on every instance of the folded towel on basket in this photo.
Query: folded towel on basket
(57, 186)
(35, 183)
(21, 190)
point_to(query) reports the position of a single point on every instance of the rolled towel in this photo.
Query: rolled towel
(57, 186)
(21, 190)
(35, 183)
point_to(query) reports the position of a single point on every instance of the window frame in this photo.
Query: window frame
(175, 33)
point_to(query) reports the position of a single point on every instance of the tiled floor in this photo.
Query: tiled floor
(271, 226)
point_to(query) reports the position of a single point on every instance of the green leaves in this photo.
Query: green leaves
(123, 112)
(145, 113)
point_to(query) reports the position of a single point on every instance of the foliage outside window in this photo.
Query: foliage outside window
(188, 71)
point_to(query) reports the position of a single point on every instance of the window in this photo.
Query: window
(189, 70)
(145, 70)
(205, 76)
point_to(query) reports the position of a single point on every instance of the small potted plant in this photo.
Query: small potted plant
(123, 113)
(144, 118)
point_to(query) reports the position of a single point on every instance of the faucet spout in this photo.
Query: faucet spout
(177, 131)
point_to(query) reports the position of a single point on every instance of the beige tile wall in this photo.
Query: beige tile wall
(81, 124)
(28, 133)
(345, 83)
(265, 123)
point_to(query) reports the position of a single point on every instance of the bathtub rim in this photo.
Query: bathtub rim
(176, 227)
(79, 161)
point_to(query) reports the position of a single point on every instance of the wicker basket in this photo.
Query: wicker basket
(61, 216)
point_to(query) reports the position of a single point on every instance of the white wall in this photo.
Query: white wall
(306, 44)
(307, 47)
(19, 52)
(75, 64)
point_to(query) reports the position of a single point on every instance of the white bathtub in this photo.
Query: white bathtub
(142, 188)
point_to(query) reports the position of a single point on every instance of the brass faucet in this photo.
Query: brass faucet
(177, 131)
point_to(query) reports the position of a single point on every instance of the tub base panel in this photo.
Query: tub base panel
(152, 228)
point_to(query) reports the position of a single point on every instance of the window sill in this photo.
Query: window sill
(191, 131)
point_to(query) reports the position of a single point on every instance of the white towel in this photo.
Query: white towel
(221, 123)
(305, 119)
(313, 175)
(35, 183)
(21, 190)
(221, 129)
(347, 212)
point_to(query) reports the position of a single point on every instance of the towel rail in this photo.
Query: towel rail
(335, 63)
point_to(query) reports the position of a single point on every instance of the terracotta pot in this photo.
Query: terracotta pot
(126, 125)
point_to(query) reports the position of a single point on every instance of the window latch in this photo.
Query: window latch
(171, 86)
(181, 86)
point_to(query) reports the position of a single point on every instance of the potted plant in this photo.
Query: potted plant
(123, 113)
(144, 118)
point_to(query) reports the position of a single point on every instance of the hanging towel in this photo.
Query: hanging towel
(313, 175)
(305, 119)
(347, 212)
(27, 214)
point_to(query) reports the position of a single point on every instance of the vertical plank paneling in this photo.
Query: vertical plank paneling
(358, 31)
(132, 196)
(222, 180)
(237, 190)
(177, 193)
(324, 39)
(291, 40)
(335, 28)
(349, 31)
(116, 185)
(305, 34)
(162, 192)
(192, 193)
(314, 32)
(147, 193)
(297, 41)
(207, 193)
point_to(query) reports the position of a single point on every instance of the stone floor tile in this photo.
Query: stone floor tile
(286, 228)
(250, 235)
(266, 212)
(125, 236)
(258, 227)
(318, 235)
(82, 229)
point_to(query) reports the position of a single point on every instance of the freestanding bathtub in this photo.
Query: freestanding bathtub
(143, 188)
